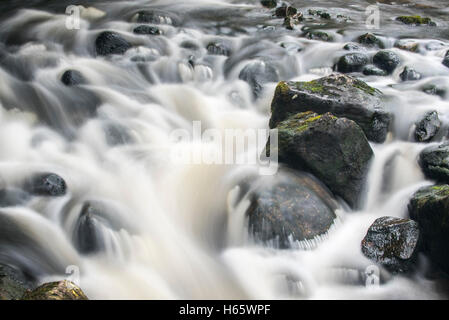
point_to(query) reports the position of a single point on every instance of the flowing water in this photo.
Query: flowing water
(179, 231)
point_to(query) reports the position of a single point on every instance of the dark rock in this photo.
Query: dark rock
(371, 70)
(150, 30)
(429, 206)
(352, 62)
(291, 21)
(116, 134)
(11, 197)
(333, 149)
(13, 284)
(351, 47)
(416, 20)
(109, 42)
(433, 89)
(393, 243)
(434, 161)
(62, 290)
(296, 205)
(408, 45)
(386, 60)
(427, 127)
(370, 40)
(87, 235)
(269, 3)
(319, 35)
(157, 17)
(258, 73)
(319, 13)
(46, 184)
(218, 48)
(446, 60)
(72, 78)
(342, 95)
(285, 11)
(410, 74)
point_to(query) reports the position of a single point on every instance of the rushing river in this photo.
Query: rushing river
(179, 230)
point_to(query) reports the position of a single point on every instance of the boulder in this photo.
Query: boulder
(342, 95)
(46, 184)
(416, 20)
(370, 40)
(11, 197)
(371, 70)
(427, 127)
(386, 60)
(333, 149)
(109, 42)
(149, 30)
(429, 206)
(59, 290)
(72, 78)
(393, 243)
(13, 283)
(258, 73)
(294, 206)
(410, 74)
(434, 162)
(87, 234)
(352, 62)
(269, 3)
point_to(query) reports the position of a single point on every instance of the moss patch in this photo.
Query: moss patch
(416, 20)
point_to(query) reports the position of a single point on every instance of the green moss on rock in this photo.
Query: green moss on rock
(416, 20)
(62, 290)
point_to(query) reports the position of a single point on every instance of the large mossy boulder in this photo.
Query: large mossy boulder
(334, 149)
(393, 243)
(434, 162)
(429, 206)
(59, 290)
(342, 95)
(288, 207)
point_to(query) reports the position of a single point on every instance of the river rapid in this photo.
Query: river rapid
(174, 230)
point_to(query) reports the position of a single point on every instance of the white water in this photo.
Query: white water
(182, 231)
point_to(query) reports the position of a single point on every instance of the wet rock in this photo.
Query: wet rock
(72, 78)
(269, 3)
(434, 162)
(109, 42)
(116, 134)
(320, 13)
(87, 235)
(342, 95)
(393, 243)
(258, 73)
(46, 184)
(156, 17)
(318, 35)
(13, 284)
(291, 21)
(351, 47)
(446, 60)
(427, 127)
(62, 290)
(352, 62)
(295, 206)
(408, 45)
(371, 70)
(149, 30)
(333, 149)
(11, 197)
(429, 206)
(218, 48)
(433, 89)
(410, 74)
(386, 60)
(285, 11)
(416, 20)
(370, 40)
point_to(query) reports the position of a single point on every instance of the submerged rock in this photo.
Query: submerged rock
(429, 206)
(352, 62)
(334, 149)
(371, 70)
(370, 40)
(285, 11)
(393, 243)
(427, 127)
(342, 95)
(46, 184)
(13, 283)
(87, 236)
(62, 290)
(416, 20)
(434, 161)
(386, 60)
(218, 48)
(296, 206)
(410, 74)
(10, 197)
(109, 42)
(156, 17)
(351, 47)
(446, 60)
(258, 73)
(319, 35)
(408, 45)
(269, 3)
(72, 78)
(150, 30)
(116, 134)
